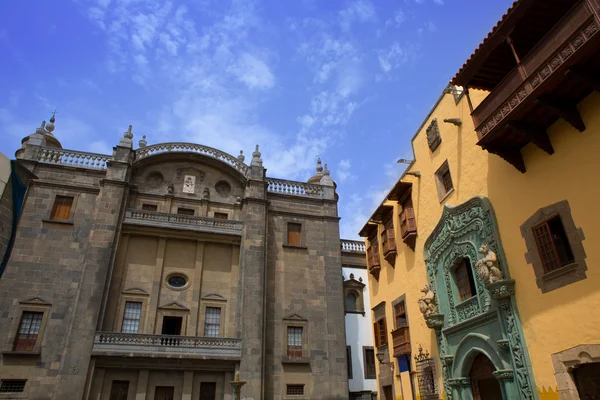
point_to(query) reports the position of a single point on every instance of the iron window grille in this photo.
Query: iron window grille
(12, 385)
(426, 375)
(295, 390)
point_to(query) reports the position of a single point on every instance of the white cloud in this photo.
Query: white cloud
(358, 11)
(396, 20)
(253, 72)
(431, 26)
(439, 2)
(393, 57)
(343, 170)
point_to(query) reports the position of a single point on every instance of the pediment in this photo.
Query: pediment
(174, 306)
(136, 291)
(295, 317)
(35, 301)
(214, 297)
(353, 283)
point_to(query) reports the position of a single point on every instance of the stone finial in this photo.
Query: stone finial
(360, 279)
(42, 127)
(319, 166)
(241, 157)
(326, 180)
(238, 200)
(50, 126)
(256, 160)
(128, 134)
(142, 142)
(351, 276)
(326, 171)
(126, 139)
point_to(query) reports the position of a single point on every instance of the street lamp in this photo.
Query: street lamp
(404, 161)
(380, 357)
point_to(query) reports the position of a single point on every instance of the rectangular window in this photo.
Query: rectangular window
(294, 339)
(464, 280)
(131, 317)
(119, 390)
(553, 244)
(212, 322)
(219, 215)
(294, 234)
(369, 363)
(12, 385)
(185, 211)
(294, 390)
(29, 328)
(164, 393)
(444, 180)
(149, 207)
(349, 360)
(62, 208)
(400, 315)
(380, 331)
(208, 391)
(447, 180)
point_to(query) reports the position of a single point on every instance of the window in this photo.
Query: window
(119, 390)
(294, 390)
(351, 302)
(149, 207)
(171, 325)
(185, 211)
(553, 244)
(219, 215)
(29, 328)
(212, 322)
(369, 354)
(294, 339)
(464, 279)
(294, 234)
(444, 180)
(208, 391)
(164, 393)
(12, 385)
(131, 317)
(177, 281)
(349, 361)
(380, 332)
(62, 208)
(400, 315)
(555, 247)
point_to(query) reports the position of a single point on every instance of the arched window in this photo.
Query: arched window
(351, 301)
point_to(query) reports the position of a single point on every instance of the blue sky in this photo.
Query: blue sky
(350, 80)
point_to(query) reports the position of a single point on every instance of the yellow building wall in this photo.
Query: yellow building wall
(552, 322)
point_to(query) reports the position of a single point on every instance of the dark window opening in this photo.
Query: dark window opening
(12, 385)
(370, 364)
(119, 390)
(29, 328)
(447, 180)
(208, 391)
(185, 211)
(465, 280)
(172, 325)
(62, 208)
(219, 215)
(349, 361)
(295, 390)
(149, 207)
(587, 381)
(164, 393)
(553, 244)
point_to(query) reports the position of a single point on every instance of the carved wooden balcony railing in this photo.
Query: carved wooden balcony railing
(401, 341)
(294, 188)
(162, 148)
(373, 260)
(354, 246)
(168, 346)
(179, 221)
(533, 82)
(71, 158)
(388, 240)
(408, 226)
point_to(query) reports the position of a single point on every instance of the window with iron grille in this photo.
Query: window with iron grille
(212, 322)
(553, 244)
(185, 211)
(131, 317)
(149, 207)
(29, 328)
(464, 279)
(369, 354)
(295, 390)
(119, 390)
(426, 375)
(294, 342)
(294, 234)
(12, 385)
(447, 180)
(61, 210)
(444, 180)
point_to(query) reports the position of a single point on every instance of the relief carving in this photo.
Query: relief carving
(433, 135)
(427, 302)
(487, 267)
(189, 184)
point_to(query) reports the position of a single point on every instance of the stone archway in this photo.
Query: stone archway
(484, 385)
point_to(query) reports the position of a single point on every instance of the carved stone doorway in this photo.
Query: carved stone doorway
(483, 383)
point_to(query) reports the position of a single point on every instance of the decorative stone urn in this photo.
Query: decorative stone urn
(502, 289)
(435, 321)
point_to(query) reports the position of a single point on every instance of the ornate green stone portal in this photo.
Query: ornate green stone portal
(470, 304)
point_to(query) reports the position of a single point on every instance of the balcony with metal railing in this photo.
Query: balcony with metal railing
(185, 222)
(166, 346)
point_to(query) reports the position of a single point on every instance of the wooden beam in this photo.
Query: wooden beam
(591, 81)
(535, 134)
(512, 156)
(568, 112)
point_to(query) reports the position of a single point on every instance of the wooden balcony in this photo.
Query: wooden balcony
(408, 227)
(373, 260)
(537, 64)
(388, 239)
(401, 341)
(166, 346)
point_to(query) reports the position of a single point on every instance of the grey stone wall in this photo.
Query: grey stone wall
(6, 217)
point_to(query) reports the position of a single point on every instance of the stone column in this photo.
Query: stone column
(142, 385)
(188, 380)
(461, 388)
(505, 378)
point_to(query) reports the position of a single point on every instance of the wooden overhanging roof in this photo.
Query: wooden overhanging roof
(368, 230)
(526, 21)
(399, 190)
(381, 212)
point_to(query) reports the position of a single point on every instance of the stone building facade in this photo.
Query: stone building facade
(167, 272)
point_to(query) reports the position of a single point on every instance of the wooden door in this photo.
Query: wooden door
(164, 393)
(587, 380)
(208, 391)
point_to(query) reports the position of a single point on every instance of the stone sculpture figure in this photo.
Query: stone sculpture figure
(487, 267)
(427, 302)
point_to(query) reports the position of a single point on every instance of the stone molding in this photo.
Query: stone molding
(565, 361)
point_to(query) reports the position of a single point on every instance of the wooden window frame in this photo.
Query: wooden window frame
(565, 275)
(295, 322)
(64, 215)
(380, 332)
(458, 279)
(367, 370)
(33, 305)
(31, 321)
(206, 308)
(294, 237)
(294, 351)
(286, 241)
(443, 193)
(215, 303)
(73, 211)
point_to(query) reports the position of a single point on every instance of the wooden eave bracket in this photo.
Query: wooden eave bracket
(534, 134)
(591, 81)
(510, 155)
(568, 112)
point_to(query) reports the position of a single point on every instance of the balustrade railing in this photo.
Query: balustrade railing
(116, 340)
(294, 188)
(353, 245)
(154, 149)
(73, 158)
(159, 217)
